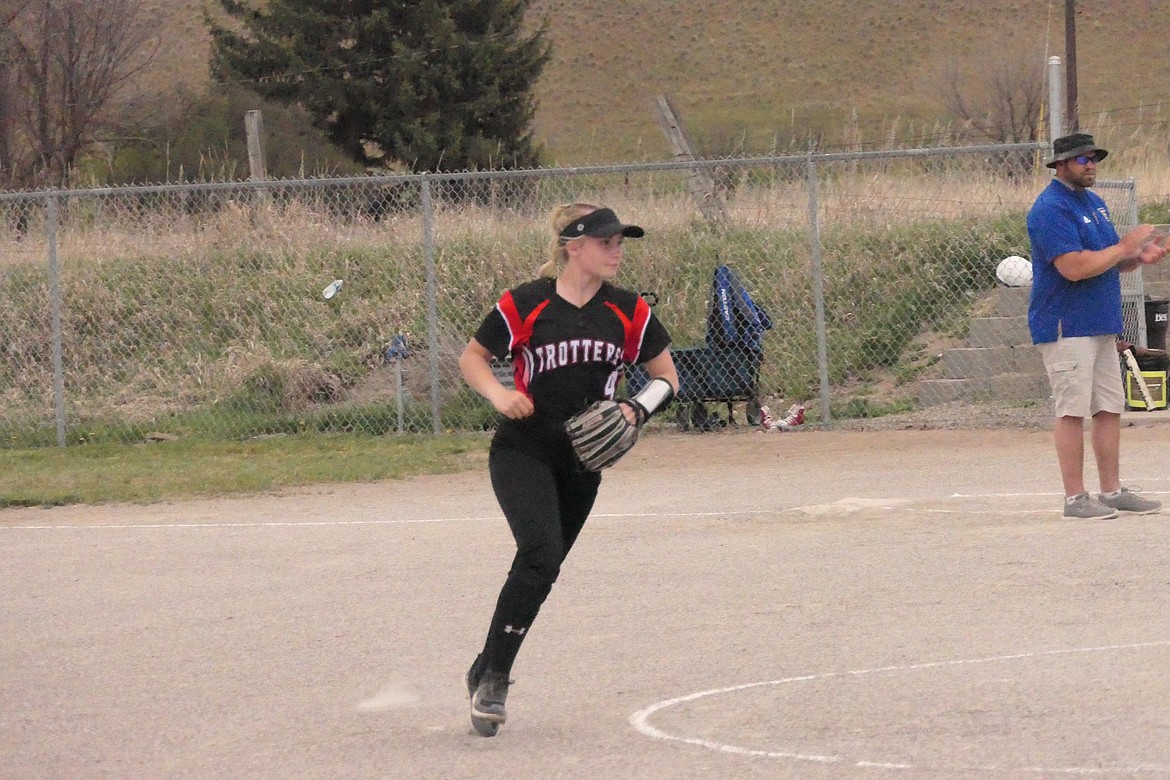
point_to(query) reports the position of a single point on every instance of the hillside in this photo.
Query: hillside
(757, 71)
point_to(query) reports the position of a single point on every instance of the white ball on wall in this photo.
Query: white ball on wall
(1014, 271)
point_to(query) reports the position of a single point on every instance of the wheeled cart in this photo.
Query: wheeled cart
(727, 368)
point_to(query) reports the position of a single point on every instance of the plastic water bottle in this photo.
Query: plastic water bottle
(333, 288)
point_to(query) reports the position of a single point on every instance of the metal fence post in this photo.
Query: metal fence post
(428, 216)
(1055, 99)
(1133, 289)
(814, 240)
(55, 319)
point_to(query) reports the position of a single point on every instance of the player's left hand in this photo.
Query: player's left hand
(630, 412)
(602, 434)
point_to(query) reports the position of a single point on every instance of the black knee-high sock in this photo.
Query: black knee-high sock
(516, 608)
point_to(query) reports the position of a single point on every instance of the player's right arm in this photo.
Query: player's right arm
(475, 365)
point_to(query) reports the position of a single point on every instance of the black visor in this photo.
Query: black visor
(601, 223)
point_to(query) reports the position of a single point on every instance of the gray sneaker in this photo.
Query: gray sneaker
(487, 703)
(1083, 507)
(1129, 502)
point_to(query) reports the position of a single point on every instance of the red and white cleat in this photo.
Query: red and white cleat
(793, 417)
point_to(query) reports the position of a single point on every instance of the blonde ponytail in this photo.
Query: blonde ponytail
(560, 217)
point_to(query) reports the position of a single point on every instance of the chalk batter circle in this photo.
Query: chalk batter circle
(640, 720)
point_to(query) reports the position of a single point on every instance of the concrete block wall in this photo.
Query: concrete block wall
(999, 362)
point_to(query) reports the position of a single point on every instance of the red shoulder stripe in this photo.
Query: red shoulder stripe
(635, 328)
(520, 330)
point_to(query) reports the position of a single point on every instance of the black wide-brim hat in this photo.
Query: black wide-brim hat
(1069, 146)
(600, 223)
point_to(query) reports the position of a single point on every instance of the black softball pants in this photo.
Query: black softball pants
(546, 497)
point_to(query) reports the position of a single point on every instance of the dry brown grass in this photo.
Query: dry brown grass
(867, 198)
(757, 72)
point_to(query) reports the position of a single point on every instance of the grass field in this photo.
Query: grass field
(173, 470)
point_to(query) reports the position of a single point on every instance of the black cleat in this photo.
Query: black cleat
(487, 703)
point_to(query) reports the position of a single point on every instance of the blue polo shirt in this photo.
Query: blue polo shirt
(1064, 219)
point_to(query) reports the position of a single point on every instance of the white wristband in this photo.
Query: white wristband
(656, 394)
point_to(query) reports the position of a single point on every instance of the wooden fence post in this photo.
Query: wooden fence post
(700, 183)
(257, 166)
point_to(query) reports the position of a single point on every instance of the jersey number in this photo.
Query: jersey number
(612, 382)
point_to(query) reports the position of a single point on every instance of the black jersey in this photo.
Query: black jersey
(564, 358)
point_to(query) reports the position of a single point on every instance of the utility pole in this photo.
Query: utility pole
(1070, 64)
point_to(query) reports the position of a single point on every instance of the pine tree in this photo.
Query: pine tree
(425, 85)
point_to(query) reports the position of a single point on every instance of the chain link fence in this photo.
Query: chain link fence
(198, 309)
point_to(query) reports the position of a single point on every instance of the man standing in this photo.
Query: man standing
(1074, 314)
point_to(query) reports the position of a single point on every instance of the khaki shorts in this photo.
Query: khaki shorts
(1085, 375)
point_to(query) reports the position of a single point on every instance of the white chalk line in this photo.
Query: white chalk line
(889, 504)
(640, 719)
(211, 525)
(1047, 494)
(214, 526)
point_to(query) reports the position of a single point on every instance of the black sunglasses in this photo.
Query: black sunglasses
(1085, 159)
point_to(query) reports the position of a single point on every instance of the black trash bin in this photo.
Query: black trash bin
(1156, 313)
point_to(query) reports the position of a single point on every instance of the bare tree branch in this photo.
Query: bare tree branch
(1005, 105)
(67, 61)
(9, 11)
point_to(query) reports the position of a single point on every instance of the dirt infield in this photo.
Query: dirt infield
(904, 604)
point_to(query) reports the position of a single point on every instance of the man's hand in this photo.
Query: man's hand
(1134, 240)
(1154, 251)
(1139, 247)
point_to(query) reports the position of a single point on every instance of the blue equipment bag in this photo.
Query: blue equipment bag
(734, 319)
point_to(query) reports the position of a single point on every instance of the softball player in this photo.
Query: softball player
(570, 334)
